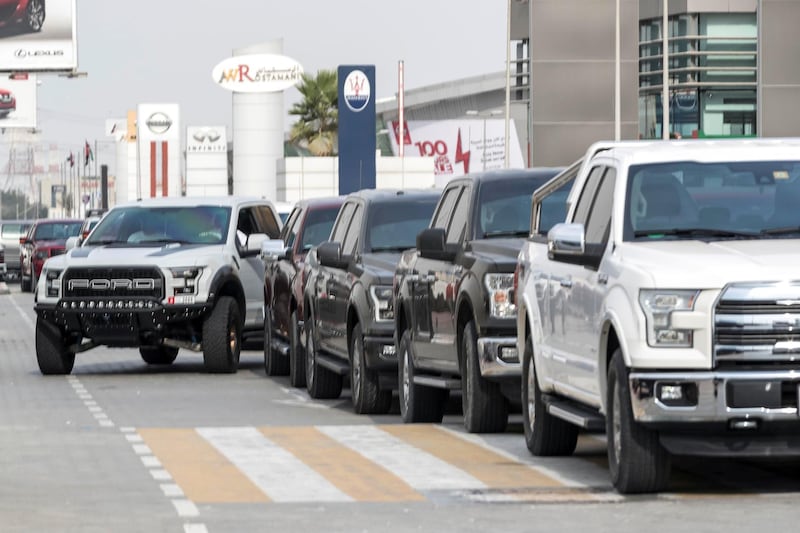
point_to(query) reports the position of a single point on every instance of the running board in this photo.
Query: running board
(574, 413)
(333, 364)
(438, 382)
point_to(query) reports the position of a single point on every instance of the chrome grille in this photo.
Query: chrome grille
(758, 323)
(123, 273)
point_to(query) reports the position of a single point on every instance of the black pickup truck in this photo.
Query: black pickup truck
(349, 313)
(454, 303)
(308, 224)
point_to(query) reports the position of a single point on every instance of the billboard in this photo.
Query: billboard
(206, 161)
(356, 127)
(35, 39)
(257, 73)
(459, 146)
(18, 101)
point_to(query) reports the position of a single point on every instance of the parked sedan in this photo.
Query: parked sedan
(45, 238)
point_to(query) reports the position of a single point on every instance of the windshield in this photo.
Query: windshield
(56, 231)
(141, 225)
(715, 200)
(393, 226)
(505, 208)
(317, 227)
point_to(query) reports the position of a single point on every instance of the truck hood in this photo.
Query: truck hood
(498, 251)
(169, 255)
(701, 265)
(382, 265)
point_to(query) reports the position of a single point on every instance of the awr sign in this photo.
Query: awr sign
(257, 73)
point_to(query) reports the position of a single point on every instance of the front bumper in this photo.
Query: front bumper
(129, 323)
(498, 357)
(380, 352)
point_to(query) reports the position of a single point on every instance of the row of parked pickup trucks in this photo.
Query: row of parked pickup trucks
(647, 291)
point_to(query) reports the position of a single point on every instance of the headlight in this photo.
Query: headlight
(658, 306)
(185, 279)
(383, 302)
(52, 283)
(501, 295)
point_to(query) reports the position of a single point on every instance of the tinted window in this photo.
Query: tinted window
(201, 224)
(445, 205)
(587, 195)
(288, 229)
(458, 222)
(318, 226)
(393, 226)
(14, 230)
(265, 222)
(353, 232)
(505, 207)
(54, 231)
(337, 235)
(600, 215)
(553, 208)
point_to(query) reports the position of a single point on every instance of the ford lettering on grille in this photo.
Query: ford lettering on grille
(141, 284)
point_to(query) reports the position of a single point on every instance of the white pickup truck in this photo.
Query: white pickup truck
(666, 310)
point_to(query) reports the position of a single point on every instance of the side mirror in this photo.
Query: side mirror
(330, 255)
(253, 245)
(567, 243)
(431, 243)
(72, 242)
(272, 249)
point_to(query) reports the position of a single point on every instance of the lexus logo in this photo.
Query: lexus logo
(209, 135)
(21, 53)
(159, 122)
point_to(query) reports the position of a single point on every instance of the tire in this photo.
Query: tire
(297, 355)
(485, 408)
(24, 284)
(34, 15)
(275, 364)
(51, 351)
(34, 281)
(545, 435)
(418, 403)
(368, 398)
(158, 355)
(321, 383)
(637, 461)
(222, 337)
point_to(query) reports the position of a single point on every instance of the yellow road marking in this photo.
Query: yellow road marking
(204, 475)
(349, 471)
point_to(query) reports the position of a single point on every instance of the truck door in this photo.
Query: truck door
(254, 219)
(341, 283)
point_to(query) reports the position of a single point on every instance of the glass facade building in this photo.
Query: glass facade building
(712, 75)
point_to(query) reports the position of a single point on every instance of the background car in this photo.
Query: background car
(45, 238)
(88, 225)
(7, 102)
(10, 233)
(29, 14)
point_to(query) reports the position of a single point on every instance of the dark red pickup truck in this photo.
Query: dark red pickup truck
(308, 224)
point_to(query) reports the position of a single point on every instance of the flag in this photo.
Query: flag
(87, 153)
(71, 159)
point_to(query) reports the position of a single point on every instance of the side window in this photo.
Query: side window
(553, 208)
(342, 222)
(445, 206)
(286, 230)
(599, 223)
(245, 225)
(587, 195)
(458, 223)
(351, 237)
(266, 221)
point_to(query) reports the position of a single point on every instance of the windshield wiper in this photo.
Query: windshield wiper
(506, 233)
(786, 230)
(694, 232)
(161, 241)
(377, 249)
(104, 242)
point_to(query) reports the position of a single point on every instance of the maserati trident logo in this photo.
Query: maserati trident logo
(137, 284)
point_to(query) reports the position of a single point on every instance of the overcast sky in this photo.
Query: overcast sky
(163, 51)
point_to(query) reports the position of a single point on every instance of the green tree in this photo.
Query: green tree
(318, 116)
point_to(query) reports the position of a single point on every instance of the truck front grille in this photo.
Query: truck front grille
(122, 282)
(758, 323)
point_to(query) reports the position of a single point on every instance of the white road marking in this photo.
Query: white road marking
(133, 438)
(421, 470)
(194, 528)
(281, 475)
(151, 461)
(185, 508)
(171, 490)
(142, 449)
(160, 475)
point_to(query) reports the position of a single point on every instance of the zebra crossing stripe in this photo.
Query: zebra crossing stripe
(282, 476)
(493, 469)
(421, 470)
(204, 474)
(348, 470)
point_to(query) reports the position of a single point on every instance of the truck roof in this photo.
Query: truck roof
(705, 150)
(230, 201)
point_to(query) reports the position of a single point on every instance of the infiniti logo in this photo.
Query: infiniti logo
(206, 135)
(139, 284)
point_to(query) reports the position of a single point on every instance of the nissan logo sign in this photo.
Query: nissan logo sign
(159, 122)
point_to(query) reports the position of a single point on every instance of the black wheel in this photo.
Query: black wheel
(34, 15)
(297, 355)
(34, 281)
(485, 408)
(51, 350)
(222, 337)
(368, 398)
(544, 433)
(275, 364)
(158, 355)
(637, 461)
(321, 383)
(24, 283)
(417, 402)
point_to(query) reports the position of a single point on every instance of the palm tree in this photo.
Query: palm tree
(318, 122)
